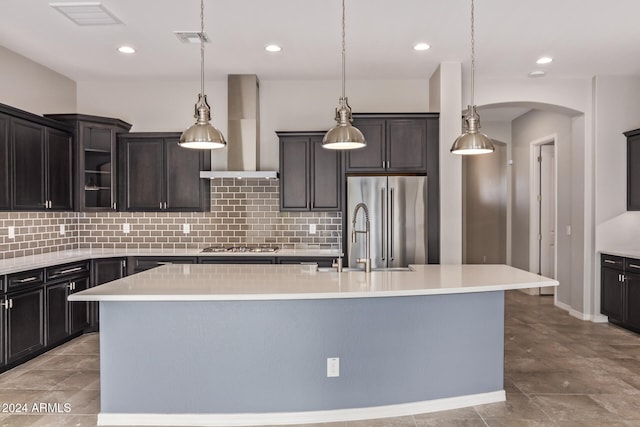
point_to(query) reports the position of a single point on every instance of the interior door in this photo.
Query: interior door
(547, 215)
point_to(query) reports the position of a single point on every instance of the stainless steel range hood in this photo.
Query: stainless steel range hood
(243, 133)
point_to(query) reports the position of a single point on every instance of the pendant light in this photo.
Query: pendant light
(202, 135)
(472, 141)
(343, 136)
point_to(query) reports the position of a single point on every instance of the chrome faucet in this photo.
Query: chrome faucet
(366, 261)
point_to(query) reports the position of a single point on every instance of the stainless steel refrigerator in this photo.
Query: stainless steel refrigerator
(397, 208)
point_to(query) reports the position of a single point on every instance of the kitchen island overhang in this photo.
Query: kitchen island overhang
(248, 344)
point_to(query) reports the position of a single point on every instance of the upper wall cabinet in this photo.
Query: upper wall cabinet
(156, 174)
(96, 160)
(310, 176)
(395, 143)
(36, 162)
(633, 170)
(41, 163)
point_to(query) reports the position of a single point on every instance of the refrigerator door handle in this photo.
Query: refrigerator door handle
(382, 216)
(391, 224)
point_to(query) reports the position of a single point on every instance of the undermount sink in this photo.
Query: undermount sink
(349, 269)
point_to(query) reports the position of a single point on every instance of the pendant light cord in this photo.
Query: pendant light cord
(202, 47)
(343, 52)
(473, 51)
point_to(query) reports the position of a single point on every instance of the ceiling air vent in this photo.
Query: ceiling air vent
(86, 13)
(191, 36)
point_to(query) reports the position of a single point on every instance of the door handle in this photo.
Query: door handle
(608, 261)
(382, 217)
(28, 279)
(71, 270)
(7, 304)
(634, 265)
(391, 224)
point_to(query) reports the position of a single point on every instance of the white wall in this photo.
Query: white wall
(29, 86)
(534, 126)
(616, 106)
(446, 96)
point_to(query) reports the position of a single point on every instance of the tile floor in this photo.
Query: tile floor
(559, 371)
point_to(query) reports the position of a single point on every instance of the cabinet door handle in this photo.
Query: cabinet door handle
(160, 205)
(28, 279)
(165, 205)
(634, 265)
(608, 261)
(71, 285)
(7, 304)
(71, 270)
(115, 206)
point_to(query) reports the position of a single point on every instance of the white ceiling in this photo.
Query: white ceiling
(585, 38)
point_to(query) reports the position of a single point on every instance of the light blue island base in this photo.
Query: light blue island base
(265, 362)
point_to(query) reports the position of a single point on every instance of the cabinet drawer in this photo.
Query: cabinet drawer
(25, 279)
(67, 270)
(632, 265)
(612, 261)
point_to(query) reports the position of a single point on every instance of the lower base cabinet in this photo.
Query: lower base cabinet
(65, 318)
(25, 323)
(103, 271)
(620, 291)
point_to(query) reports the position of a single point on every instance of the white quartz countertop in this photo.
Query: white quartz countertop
(227, 282)
(14, 265)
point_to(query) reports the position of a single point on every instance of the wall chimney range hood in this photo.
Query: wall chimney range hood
(243, 133)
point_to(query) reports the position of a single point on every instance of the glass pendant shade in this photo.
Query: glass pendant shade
(343, 136)
(472, 141)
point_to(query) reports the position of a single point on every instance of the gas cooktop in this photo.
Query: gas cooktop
(243, 248)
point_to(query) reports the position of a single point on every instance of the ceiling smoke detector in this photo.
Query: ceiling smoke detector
(191, 36)
(87, 13)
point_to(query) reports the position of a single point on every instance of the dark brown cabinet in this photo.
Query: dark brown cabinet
(96, 160)
(156, 174)
(103, 271)
(310, 176)
(5, 172)
(321, 261)
(41, 167)
(25, 323)
(65, 318)
(633, 170)
(611, 289)
(395, 143)
(620, 290)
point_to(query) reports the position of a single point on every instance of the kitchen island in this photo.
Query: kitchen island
(249, 344)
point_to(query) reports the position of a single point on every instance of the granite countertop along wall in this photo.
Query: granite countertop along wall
(14, 265)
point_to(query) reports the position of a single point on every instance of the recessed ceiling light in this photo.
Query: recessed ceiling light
(537, 73)
(272, 48)
(126, 49)
(544, 60)
(421, 46)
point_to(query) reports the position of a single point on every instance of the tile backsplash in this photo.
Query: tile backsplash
(243, 211)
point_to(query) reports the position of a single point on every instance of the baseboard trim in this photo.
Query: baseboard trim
(283, 418)
(571, 311)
